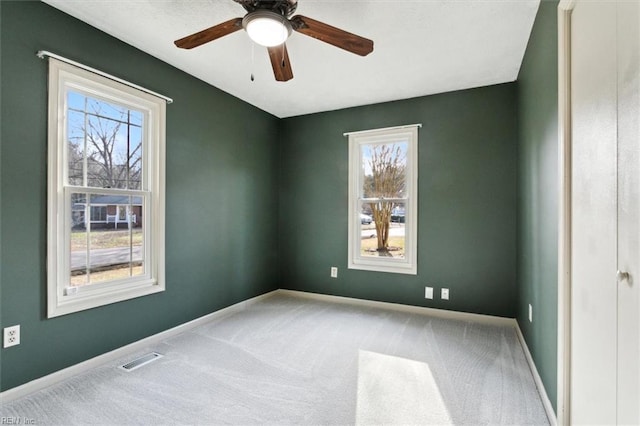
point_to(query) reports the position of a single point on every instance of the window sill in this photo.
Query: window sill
(378, 266)
(80, 301)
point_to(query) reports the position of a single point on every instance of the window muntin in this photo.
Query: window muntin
(106, 191)
(382, 200)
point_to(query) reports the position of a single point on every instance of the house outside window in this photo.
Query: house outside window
(105, 191)
(383, 196)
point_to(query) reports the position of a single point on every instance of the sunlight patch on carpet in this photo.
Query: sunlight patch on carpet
(393, 390)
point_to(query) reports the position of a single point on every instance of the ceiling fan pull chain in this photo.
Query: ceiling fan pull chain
(284, 31)
(252, 62)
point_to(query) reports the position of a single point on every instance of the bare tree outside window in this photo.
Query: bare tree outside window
(105, 149)
(384, 186)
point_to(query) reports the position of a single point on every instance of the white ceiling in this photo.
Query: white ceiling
(421, 47)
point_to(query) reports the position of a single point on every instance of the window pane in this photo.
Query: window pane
(382, 229)
(106, 109)
(104, 145)
(135, 217)
(110, 245)
(104, 141)
(384, 170)
(136, 118)
(134, 155)
(75, 101)
(79, 243)
(75, 147)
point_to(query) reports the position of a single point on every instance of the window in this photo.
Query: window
(106, 191)
(383, 189)
(98, 213)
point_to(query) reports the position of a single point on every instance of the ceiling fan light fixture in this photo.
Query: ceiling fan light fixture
(267, 28)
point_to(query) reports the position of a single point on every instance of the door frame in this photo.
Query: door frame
(563, 403)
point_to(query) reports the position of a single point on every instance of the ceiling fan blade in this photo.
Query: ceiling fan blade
(332, 35)
(280, 62)
(210, 34)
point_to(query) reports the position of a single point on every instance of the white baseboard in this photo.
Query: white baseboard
(440, 313)
(546, 402)
(74, 370)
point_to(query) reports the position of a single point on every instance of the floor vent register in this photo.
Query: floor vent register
(139, 362)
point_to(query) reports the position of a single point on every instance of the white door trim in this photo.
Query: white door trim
(563, 414)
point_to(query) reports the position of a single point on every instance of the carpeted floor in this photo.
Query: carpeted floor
(289, 360)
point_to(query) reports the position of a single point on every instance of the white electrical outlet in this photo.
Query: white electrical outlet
(428, 292)
(444, 294)
(530, 313)
(334, 272)
(11, 336)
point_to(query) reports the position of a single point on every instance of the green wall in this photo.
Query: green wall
(467, 201)
(221, 179)
(538, 194)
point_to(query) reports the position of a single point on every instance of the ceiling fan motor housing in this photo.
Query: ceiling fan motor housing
(281, 7)
(266, 27)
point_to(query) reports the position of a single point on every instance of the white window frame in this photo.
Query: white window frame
(408, 265)
(62, 298)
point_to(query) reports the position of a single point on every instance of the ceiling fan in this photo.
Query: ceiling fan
(269, 23)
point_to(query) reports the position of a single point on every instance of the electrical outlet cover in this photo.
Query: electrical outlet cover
(11, 336)
(428, 292)
(444, 294)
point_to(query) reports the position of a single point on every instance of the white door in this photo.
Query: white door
(628, 52)
(605, 215)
